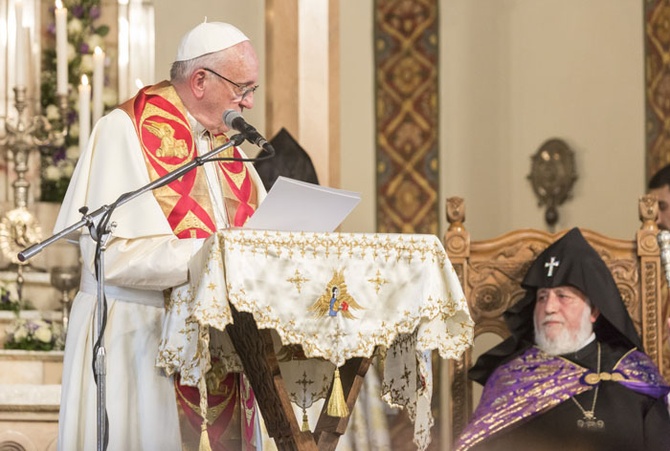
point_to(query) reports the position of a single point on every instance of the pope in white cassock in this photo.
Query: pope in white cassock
(163, 127)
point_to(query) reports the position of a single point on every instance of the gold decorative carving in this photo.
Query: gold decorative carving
(650, 311)
(460, 389)
(456, 245)
(648, 209)
(648, 244)
(455, 212)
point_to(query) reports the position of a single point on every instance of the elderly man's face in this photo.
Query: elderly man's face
(563, 319)
(663, 196)
(230, 86)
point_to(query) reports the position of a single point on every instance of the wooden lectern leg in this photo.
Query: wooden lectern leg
(329, 429)
(256, 352)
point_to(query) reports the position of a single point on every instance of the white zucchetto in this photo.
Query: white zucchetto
(208, 37)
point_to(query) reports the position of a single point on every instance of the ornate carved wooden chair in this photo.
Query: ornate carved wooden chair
(491, 270)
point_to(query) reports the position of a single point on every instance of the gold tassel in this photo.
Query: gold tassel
(305, 421)
(204, 438)
(337, 406)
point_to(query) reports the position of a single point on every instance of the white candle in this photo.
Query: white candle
(98, 82)
(21, 50)
(61, 49)
(123, 51)
(84, 112)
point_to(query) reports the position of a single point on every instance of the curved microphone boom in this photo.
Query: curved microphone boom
(235, 121)
(663, 238)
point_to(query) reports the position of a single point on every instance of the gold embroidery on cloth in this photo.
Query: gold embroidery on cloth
(214, 377)
(166, 197)
(230, 198)
(404, 250)
(212, 412)
(170, 146)
(236, 177)
(297, 280)
(190, 221)
(378, 281)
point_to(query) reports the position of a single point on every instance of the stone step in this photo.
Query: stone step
(29, 416)
(30, 367)
(43, 398)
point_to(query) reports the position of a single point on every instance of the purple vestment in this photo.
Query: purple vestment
(534, 382)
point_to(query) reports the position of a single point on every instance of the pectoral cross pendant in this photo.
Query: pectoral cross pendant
(590, 421)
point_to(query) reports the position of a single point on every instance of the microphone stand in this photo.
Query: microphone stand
(101, 234)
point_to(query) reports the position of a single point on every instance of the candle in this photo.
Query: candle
(98, 82)
(21, 51)
(84, 112)
(61, 49)
(123, 51)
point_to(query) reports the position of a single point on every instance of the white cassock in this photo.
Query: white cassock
(142, 259)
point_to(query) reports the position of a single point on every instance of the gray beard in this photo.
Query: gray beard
(566, 341)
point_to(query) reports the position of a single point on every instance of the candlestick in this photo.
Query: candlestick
(84, 112)
(18, 227)
(18, 138)
(98, 83)
(61, 48)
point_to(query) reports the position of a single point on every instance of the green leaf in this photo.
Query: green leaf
(102, 30)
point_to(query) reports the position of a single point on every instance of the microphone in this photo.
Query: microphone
(663, 238)
(235, 121)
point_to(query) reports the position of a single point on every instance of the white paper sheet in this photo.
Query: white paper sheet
(294, 206)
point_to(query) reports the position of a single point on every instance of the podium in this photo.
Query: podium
(280, 306)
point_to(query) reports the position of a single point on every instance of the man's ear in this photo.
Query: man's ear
(197, 83)
(595, 313)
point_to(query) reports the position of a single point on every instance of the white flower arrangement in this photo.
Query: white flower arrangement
(34, 335)
(28, 334)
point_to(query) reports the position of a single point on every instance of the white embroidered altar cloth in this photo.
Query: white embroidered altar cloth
(338, 295)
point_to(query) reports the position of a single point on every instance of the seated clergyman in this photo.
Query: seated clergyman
(572, 375)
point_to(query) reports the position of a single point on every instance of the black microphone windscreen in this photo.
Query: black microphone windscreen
(229, 116)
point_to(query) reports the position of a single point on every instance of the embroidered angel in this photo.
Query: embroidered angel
(335, 300)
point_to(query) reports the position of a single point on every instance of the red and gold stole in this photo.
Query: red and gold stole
(239, 192)
(167, 142)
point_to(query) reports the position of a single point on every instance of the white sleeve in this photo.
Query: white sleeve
(155, 263)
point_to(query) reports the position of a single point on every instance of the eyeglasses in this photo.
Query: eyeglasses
(242, 91)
